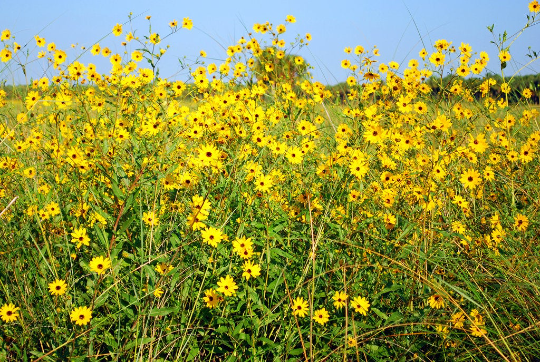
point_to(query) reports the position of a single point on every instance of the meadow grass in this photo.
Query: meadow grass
(253, 214)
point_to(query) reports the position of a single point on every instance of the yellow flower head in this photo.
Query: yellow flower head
(340, 299)
(211, 298)
(9, 313)
(117, 30)
(150, 218)
(58, 287)
(227, 286)
(6, 34)
(436, 301)
(164, 268)
(299, 307)
(321, 316)
(290, 19)
(100, 264)
(361, 305)
(154, 38)
(80, 237)
(5, 55)
(81, 316)
(212, 236)
(504, 56)
(187, 23)
(251, 270)
(437, 58)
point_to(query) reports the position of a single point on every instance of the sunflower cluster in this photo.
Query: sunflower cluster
(248, 197)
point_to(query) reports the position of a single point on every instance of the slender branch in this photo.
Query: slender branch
(7, 207)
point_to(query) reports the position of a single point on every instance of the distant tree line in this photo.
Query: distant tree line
(517, 84)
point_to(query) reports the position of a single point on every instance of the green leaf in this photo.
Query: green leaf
(392, 288)
(405, 232)
(221, 329)
(269, 319)
(379, 313)
(272, 234)
(277, 251)
(101, 212)
(193, 352)
(296, 352)
(126, 224)
(238, 328)
(396, 316)
(129, 201)
(150, 272)
(139, 342)
(175, 240)
(267, 341)
(258, 225)
(101, 299)
(116, 190)
(245, 337)
(461, 292)
(102, 237)
(40, 354)
(162, 311)
(110, 340)
(275, 283)
(130, 299)
(279, 225)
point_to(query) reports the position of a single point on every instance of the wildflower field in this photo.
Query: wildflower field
(252, 213)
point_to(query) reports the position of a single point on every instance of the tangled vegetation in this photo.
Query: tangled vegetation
(251, 212)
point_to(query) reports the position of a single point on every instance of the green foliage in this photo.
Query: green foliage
(235, 213)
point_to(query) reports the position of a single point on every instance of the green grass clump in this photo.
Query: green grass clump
(254, 213)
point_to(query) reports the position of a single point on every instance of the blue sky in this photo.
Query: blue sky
(334, 25)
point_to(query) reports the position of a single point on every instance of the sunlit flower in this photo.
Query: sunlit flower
(100, 264)
(81, 316)
(58, 287)
(211, 298)
(9, 313)
(436, 301)
(504, 56)
(290, 19)
(227, 286)
(470, 178)
(117, 30)
(299, 307)
(361, 305)
(340, 299)
(321, 316)
(187, 23)
(150, 218)
(251, 270)
(80, 237)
